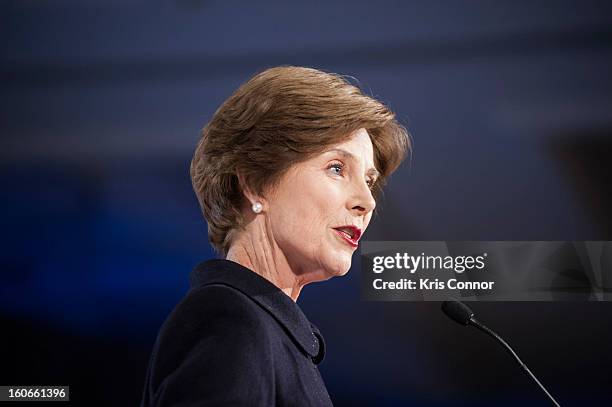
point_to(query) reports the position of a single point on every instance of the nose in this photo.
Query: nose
(361, 202)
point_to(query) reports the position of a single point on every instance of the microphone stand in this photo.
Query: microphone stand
(473, 321)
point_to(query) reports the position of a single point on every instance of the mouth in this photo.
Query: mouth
(349, 234)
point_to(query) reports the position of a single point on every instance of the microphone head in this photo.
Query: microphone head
(457, 311)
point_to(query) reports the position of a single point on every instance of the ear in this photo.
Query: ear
(248, 193)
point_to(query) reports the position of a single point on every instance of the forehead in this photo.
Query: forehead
(359, 146)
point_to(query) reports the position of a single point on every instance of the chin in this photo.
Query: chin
(339, 267)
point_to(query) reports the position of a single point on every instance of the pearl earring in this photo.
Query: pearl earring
(257, 207)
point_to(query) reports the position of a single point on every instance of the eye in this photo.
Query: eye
(336, 168)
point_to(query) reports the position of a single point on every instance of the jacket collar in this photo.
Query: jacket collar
(268, 296)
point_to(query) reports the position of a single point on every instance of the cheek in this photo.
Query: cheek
(318, 207)
(307, 210)
(304, 213)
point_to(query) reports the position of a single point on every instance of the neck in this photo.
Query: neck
(253, 249)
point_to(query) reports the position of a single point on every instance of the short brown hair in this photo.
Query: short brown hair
(280, 117)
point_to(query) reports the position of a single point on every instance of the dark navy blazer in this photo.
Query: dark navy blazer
(235, 340)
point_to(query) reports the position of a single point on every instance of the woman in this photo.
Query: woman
(286, 174)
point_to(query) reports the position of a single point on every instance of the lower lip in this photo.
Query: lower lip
(344, 237)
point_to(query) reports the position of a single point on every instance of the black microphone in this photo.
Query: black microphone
(463, 315)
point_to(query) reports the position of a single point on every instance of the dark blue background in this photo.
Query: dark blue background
(510, 107)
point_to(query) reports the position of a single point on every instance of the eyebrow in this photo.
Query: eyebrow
(372, 171)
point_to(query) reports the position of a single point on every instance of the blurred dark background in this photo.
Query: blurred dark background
(510, 107)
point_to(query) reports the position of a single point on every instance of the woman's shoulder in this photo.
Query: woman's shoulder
(215, 306)
(210, 319)
(215, 333)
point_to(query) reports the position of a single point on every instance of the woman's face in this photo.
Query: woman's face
(318, 196)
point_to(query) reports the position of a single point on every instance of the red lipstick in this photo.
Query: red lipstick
(349, 233)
